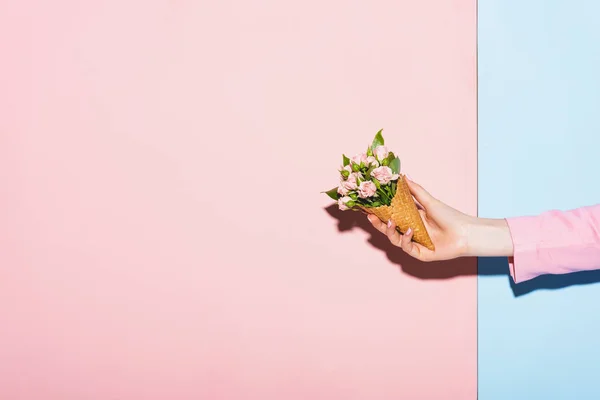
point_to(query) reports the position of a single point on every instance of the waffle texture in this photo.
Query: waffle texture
(404, 213)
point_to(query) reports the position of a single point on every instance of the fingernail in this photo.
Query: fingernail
(409, 231)
(389, 223)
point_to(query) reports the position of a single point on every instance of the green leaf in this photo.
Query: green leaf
(385, 162)
(376, 182)
(345, 160)
(345, 173)
(355, 167)
(369, 171)
(383, 199)
(395, 165)
(333, 193)
(353, 195)
(378, 140)
(369, 152)
(351, 203)
(391, 156)
(393, 188)
(376, 204)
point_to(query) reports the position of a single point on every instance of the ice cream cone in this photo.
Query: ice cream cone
(404, 213)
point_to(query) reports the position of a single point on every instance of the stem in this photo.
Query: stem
(384, 196)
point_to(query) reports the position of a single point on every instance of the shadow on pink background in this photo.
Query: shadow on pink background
(162, 234)
(350, 221)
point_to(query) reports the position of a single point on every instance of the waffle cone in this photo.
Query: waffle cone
(404, 213)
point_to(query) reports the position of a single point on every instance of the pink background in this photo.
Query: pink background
(162, 234)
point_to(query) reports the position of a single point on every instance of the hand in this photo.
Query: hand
(454, 234)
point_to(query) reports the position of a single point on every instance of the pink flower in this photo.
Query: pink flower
(381, 153)
(366, 189)
(346, 168)
(372, 161)
(355, 176)
(343, 203)
(351, 183)
(384, 175)
(360, 158)
(343, 190)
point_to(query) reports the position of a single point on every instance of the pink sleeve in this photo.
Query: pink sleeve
(555, 242)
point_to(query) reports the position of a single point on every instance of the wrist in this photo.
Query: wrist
(488, 237)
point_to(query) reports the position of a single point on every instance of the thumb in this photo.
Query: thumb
(420, 194)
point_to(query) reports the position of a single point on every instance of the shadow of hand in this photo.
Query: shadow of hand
(348, 220)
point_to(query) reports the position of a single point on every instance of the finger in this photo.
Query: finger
(392, 234)
(409, 246)
(420, 194)
(377, 223)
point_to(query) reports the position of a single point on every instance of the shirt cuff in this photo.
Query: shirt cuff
(526, 263)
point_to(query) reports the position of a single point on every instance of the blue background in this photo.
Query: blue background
(539, 142)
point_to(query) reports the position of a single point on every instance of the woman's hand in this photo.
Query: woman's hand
(453, 233)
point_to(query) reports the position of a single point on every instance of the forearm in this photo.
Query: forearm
(488, 237)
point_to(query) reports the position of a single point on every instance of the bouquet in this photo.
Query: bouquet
(371, 182)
